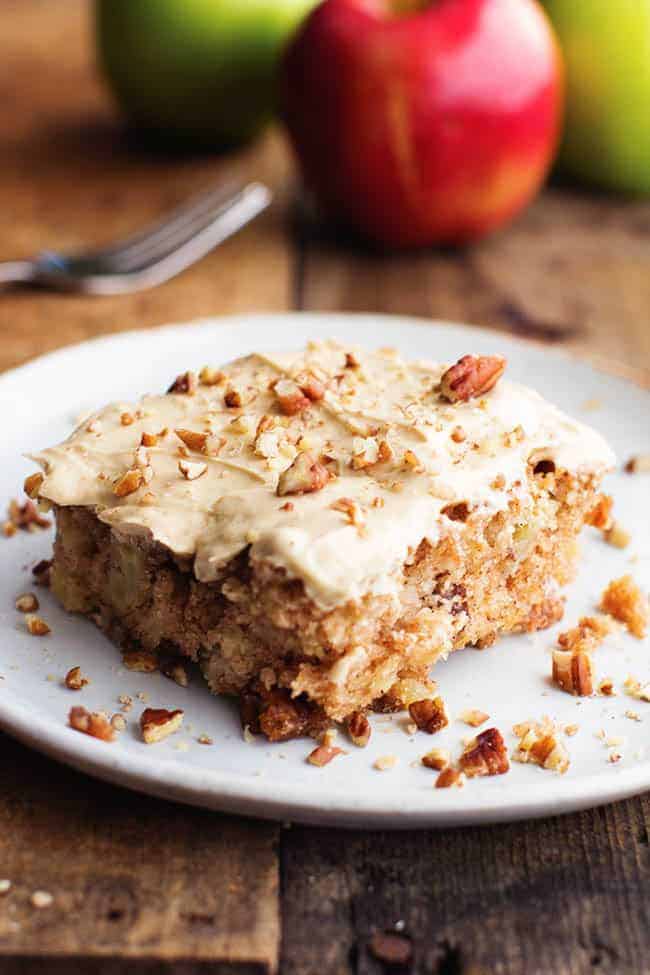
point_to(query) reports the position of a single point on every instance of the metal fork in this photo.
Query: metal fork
(152, 256)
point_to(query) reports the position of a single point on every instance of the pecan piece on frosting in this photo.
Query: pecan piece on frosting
(128, 482)
(305, 475)
(193, 439)
(485, 755)
(471, 376)
(32, 484)
(291, 398)
(185, 383)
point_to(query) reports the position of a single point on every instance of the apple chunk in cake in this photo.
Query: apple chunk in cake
(321, 527)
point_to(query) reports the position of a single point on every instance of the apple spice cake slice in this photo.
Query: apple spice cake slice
(317, 529)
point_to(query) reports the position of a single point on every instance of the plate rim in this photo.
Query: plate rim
(249, 795)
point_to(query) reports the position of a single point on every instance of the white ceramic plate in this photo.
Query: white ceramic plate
(39, 404)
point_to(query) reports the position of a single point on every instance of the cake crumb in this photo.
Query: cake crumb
(624, 600)
(205, 740)
(571, 729)
(36, 626)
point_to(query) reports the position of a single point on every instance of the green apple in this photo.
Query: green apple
(196, 71)
(606, 45)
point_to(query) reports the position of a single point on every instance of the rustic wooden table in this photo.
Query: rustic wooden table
(142, 885)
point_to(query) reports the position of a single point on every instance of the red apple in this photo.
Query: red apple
(422, 121)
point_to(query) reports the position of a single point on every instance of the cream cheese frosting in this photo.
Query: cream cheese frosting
(219, 464)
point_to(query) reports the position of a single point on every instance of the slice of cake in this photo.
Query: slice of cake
(317, 529)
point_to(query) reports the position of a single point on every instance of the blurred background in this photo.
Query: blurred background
(484, 160)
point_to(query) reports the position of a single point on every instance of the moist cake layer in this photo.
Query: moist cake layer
(329, 522)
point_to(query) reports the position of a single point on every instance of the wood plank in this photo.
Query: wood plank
(71, 177)
(131, 876)
(565, 895)
(573, 270)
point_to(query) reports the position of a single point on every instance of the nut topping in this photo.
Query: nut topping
(158, 723)
(128, 483)
(450, 778)
(74, 679)
(473, 717)
(486, 755)
(471, 376)
(600, 515)
(573, 671)
(304, 476)
(323, 755)
(192, 469)
(429, 715)
(36, 625)
(91, 723)
(437, 759)
(26, 603)
(359, 729)
(193, 440)
(32, 484)
(291, 398)
(185, 383)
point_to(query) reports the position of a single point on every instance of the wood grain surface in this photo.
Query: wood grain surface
(146, 886)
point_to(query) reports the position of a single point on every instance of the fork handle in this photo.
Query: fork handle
(16, 272)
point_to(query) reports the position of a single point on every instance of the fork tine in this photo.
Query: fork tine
(252, 200)
(168, 224)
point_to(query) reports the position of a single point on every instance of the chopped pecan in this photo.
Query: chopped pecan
(185, 383)
(36, 625)
(32, 484)
(617, 536)
(437, 759)
(540, 745)
(473, 717)
(430, 715)
(158, 723)
(624, 600)
(233, 399)
(323, 754)
(193, 439)
(148, 439)
(291, 398)
(639, 464)
(471, 376)
(26, 516)
(312, 387)
(587, 635)
(450, 777)
(359, 729)
(191, 470)
(350, 508)
(126, 419)
(128, 482)
(304, 476)
(41, 572)
(385, 763)
(211, 377)
(486, 755)
(456, 512)
(91, 723)
(74, 679)
(573, 671)
(351, 361)
(26, 603)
